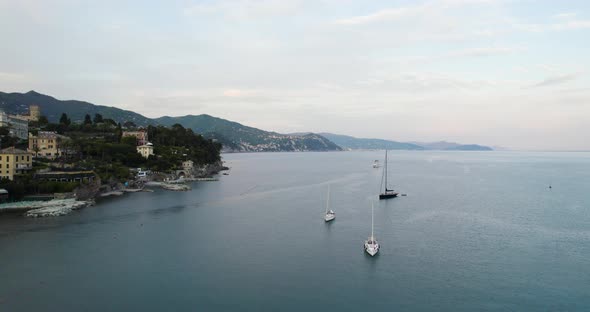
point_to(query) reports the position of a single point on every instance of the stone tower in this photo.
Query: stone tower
(34, 112)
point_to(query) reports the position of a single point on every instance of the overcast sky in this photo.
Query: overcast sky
(509, 73)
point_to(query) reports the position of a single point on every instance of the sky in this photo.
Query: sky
(504, 73)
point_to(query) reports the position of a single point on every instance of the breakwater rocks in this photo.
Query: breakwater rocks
(50, 208)
(170, 186)
(210, 169)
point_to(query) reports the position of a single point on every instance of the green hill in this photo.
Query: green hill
(452, 146)
(52, 108)
(240, 138)
(348, 142)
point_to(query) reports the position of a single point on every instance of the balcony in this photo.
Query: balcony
(24, 167)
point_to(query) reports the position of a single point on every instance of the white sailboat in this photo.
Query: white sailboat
(330, 214)
(371, 244)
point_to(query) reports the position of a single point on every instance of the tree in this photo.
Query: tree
(109, 121)
(129, 125)
(87, 120)
(98, 118)
(36, 149)
(118, 133)
(64, 120)
(43, 121)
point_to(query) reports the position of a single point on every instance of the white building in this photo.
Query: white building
(146, 150)
(18, 126)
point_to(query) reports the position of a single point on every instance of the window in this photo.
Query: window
(22, 157)
(7, 166)
(28, 157)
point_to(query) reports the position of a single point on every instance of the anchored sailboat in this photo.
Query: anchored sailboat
(371, 244)
(330, 214)
(387, 193)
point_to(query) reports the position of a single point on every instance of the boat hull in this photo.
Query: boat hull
(388, 195)
(372, 250)
(329, 218)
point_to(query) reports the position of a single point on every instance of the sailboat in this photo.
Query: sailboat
(371, 244)
(330, 214)
(387, 193)
(376, 164)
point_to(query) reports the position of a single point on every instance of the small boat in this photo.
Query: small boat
(376, 164)
(387, 193)
(371, 244)
(330, 214)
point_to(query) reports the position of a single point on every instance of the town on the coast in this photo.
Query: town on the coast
(50, 169)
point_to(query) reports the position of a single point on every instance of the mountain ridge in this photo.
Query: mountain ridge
(234, 136)
(350, 142)
(240, 138)
(354, 143)
(52, 108)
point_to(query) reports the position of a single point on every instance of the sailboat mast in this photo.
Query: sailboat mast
(328, 199)
(385, 170)
(372, 208)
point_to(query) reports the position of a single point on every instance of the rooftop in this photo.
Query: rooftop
(12, 150)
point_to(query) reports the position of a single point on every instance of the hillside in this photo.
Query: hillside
(452, 146)
(52, 108)
(232, 135)
(352, 143)
(239, 138)
(348, 142)
(470, 147)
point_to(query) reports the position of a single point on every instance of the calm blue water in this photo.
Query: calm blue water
(477, 232)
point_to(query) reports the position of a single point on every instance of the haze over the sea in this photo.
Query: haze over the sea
(497, 73)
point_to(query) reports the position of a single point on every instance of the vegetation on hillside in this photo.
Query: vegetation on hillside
(98, 144)
(237, 137)
(52, 108)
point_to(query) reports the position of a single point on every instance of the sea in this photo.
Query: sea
(476, 231)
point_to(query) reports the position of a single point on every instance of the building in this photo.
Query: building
(34, 112)
(17, 125)
(46, 144)
(67, 176)
(14, 161)
(146, 150)
(33, 115)
(140, 135)
(188, 165)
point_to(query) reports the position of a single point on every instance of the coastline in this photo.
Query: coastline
(89, 195)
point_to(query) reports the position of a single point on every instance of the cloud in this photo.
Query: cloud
(567, 25)
(575, 24)
(400, 13)
(240, 93)
(462, 54)
(382, 15)
(244, 9)
(558, 79)
(565, 15)
(4, 76)
(485, 51)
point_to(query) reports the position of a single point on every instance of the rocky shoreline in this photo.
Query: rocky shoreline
(87, 195)
(54, 207)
